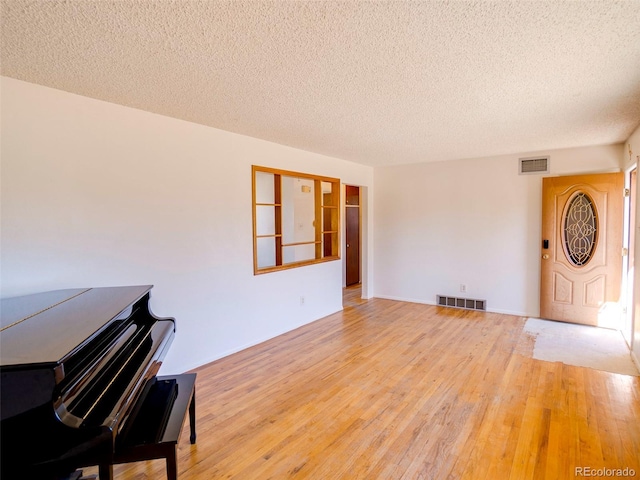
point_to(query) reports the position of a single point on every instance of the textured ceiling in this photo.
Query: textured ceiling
(378, 83)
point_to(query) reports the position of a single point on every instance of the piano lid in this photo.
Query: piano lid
(45, 327)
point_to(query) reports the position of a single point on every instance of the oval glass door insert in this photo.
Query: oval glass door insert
(580, 229)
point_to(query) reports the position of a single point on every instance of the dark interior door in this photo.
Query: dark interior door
(353, 235)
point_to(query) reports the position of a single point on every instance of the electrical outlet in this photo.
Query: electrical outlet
(301, 300)
(463, 288)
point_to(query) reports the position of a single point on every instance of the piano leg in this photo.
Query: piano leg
(192, 417)
(172, 463)
(105, 472)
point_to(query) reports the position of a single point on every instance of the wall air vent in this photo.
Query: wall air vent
(533, 165)
(456, 302)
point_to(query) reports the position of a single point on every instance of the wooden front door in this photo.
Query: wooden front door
(581, 266)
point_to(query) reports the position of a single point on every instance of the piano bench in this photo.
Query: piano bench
(167, 444)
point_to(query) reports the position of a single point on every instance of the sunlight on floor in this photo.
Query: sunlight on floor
(609, 315)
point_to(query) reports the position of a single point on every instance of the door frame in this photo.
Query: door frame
(366, 270)
(351, 208)
(628, 262)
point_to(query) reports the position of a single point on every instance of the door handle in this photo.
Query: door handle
(545, 256)
(347, 245)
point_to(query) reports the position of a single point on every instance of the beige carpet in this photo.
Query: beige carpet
(579, 345)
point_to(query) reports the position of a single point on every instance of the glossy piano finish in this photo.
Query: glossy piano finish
(73, 363)
(56, 331)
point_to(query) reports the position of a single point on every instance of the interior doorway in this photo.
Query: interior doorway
(353, 236)
(352, 296)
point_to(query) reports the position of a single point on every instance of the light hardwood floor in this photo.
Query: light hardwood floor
(391, 390)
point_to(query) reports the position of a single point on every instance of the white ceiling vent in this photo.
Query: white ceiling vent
(532, 165)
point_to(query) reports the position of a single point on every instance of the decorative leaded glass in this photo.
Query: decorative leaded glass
(580, 229)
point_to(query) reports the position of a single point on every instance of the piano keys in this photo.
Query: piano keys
(76, 368)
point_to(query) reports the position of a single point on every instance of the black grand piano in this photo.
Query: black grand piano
(78, 384)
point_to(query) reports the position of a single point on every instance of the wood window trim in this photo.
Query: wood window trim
(326, 221)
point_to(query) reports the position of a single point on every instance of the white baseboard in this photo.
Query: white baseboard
(404, 299)
(635, 360)
(426, 302)
(187, 367)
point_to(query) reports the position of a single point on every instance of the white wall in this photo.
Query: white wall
(474, 222)
(96, 194)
